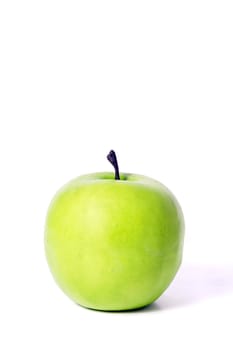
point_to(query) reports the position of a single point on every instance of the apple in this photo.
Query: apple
(114, 242)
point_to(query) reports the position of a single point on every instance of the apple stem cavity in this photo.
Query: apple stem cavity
(113, 160)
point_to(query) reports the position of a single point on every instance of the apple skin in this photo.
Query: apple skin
(114, 244)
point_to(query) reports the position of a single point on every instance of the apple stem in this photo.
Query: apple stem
(113, 160)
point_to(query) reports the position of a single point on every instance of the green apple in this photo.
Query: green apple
(114, 243)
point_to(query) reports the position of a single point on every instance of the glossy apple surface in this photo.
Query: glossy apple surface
(114, 245)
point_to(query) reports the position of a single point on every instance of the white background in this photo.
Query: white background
(154, 81)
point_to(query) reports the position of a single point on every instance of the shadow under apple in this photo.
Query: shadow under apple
(194, 284)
